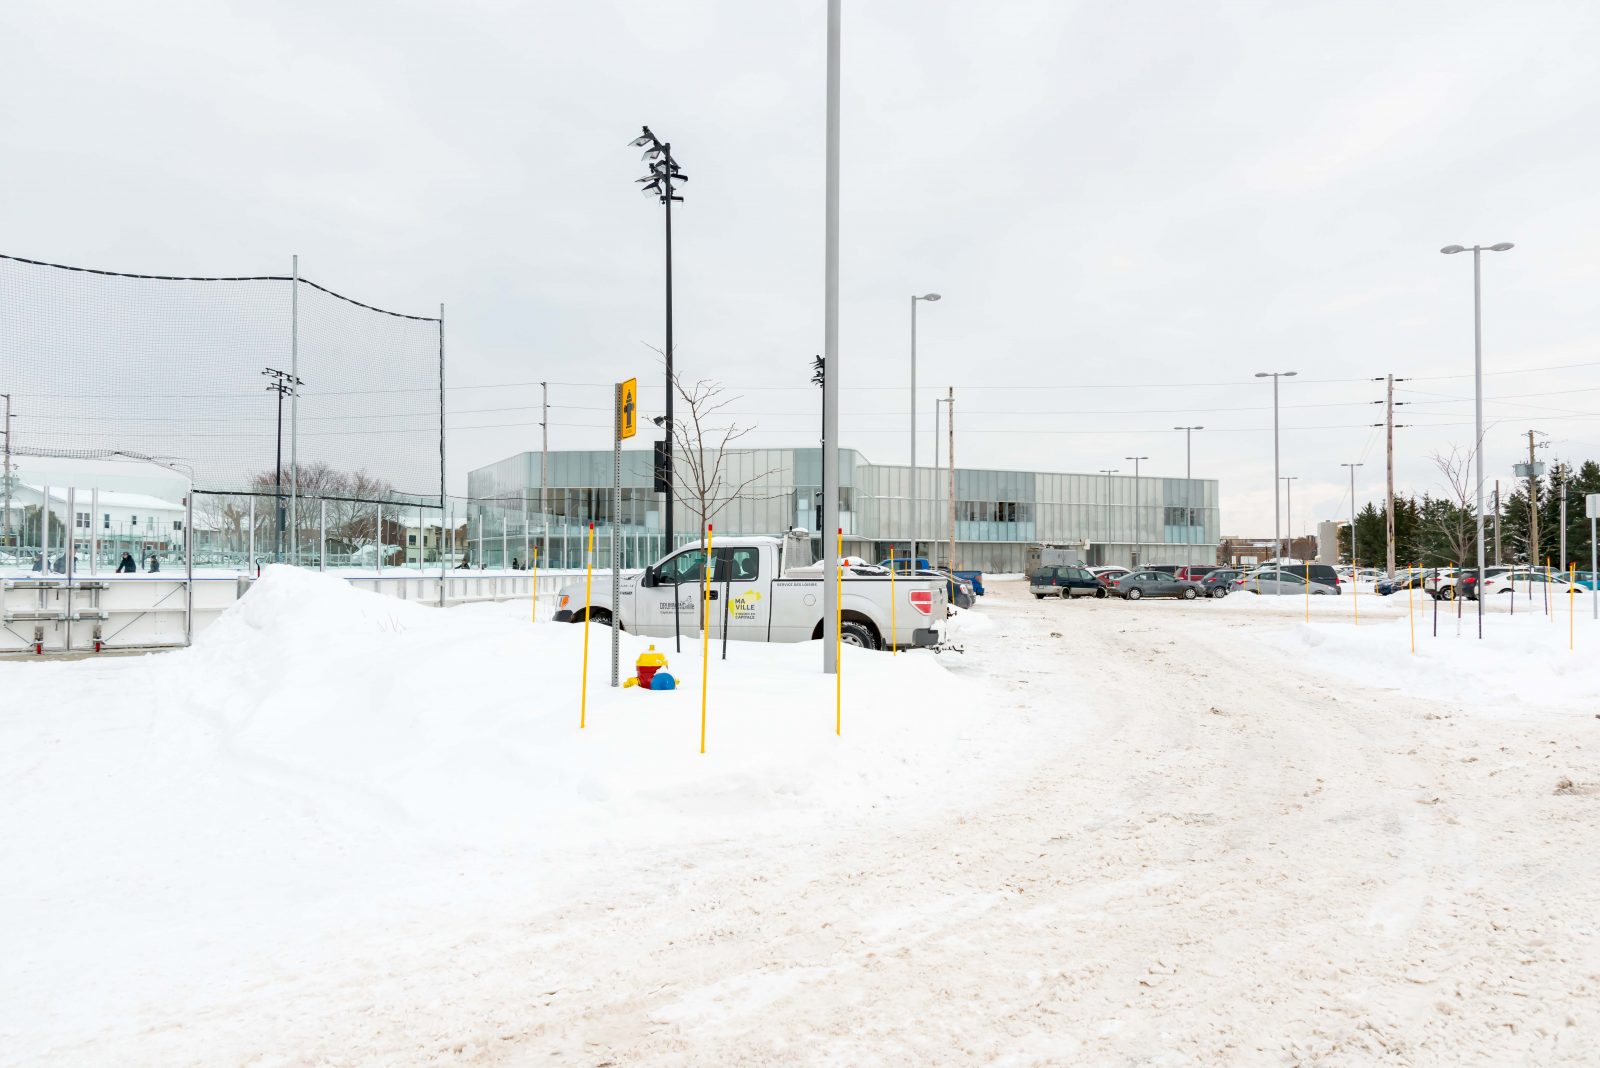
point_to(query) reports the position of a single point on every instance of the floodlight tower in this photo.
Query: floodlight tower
(659, 183)
(283, 384)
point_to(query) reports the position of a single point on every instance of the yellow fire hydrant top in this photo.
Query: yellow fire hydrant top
(652, 659)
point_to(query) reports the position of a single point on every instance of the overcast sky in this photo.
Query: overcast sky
(1129, 210)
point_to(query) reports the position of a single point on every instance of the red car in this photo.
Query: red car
(1194, 572)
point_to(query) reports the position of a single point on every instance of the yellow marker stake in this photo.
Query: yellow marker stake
(588, 581)
(1355, 593)
(893, 645)
(838, 644)
(705, 635)
(536, 584)
(1411, 616)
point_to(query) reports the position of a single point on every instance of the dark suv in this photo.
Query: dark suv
(1323, 573)
(1218, 581)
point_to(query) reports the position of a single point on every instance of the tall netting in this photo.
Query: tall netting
(105, 364)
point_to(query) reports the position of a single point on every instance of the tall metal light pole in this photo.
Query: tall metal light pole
(1105, 496)
(5, 472)
(830, 353)
(1138, 543)
(284, 384)
(1277, 540)
(1352, 468)
(916, 511)
(1288, 515)
(1477, 382)
(659, 183)
(1188, 480)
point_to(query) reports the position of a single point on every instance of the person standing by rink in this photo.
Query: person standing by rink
(126, 566)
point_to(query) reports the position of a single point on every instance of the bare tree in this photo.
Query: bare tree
(702, 435)
(1451, 520)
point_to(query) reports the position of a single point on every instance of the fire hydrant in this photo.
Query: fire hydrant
(649, 663)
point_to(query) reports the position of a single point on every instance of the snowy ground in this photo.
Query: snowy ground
(349, 830)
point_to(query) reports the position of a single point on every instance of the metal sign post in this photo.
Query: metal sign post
(626, 424)
(1591, 508)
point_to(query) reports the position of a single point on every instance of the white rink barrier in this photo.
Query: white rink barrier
(50, 613)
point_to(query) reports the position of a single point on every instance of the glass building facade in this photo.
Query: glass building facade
(998, 515)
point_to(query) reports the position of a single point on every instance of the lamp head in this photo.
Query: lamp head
(930, 296)
(1504, 246)
(1451, 250)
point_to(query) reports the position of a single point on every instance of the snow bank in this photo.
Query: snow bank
(323, 752)
(1522, 666)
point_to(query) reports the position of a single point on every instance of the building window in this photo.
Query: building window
(108, 521)
(411, 539)
(134, 520)
(83, 520)
(177, 524)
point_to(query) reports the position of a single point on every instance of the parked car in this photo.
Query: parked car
(1152, 583)
(1409, 579)
(903, 566)
(1064, 581)
(1463, 582)
(1197, 572)
(1108, 574)
(1536, 580)
(1282, 582)
(1218, 581)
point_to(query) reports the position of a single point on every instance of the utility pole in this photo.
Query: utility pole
(1561, 479)
(1138, 543)
(1497, 522)
(1533, 504)
(950, 408)
(1388, 510)
(1105, 509)
(1288, 516)
(544, 473)
(1352, 468)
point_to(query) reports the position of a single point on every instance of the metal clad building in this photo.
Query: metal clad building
(998, 514)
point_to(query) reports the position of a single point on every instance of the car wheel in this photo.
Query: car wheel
(1100, 591)
(1447, 593)
(1188, 593)
(1040, 596)
(857, 635)
(1134, 594)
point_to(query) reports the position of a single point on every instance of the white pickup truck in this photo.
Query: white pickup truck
(762, 590)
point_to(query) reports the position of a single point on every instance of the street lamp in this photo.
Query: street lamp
(1477, 382)
(1352, 468)
(930, 297)
(283, 384)
(1275, 375)
(1188, 479)
(1137, 542)
(659, 183)
(1105, 507)
(1288, 518)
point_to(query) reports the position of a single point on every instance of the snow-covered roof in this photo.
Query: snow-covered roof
(109, 498)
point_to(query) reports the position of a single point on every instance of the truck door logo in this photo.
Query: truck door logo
(922, 601)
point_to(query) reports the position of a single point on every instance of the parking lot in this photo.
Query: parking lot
(1204, 847)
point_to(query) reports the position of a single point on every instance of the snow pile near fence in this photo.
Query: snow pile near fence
(1520, 668)
(324, 753)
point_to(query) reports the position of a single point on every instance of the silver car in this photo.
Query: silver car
(1281, 583)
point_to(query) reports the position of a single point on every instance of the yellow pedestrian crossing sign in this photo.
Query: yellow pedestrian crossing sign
(627, 409)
